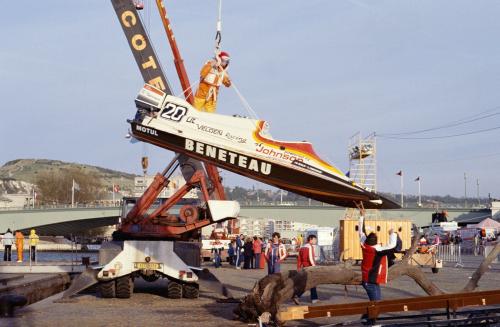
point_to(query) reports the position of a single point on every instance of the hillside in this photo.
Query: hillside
(12, 186)
(26, 170)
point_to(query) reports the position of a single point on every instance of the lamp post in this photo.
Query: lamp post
(400, 174)
(465, 190)
(419, 204)
(478, 199)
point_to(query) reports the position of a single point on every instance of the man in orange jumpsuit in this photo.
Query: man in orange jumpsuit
(213, 74)
(19, 245)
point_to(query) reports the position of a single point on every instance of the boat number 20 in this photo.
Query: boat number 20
(173, 112)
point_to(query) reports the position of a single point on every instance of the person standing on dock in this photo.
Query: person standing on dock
(257, 250)
(248, 253)
(300, 240)
(275, 253)
(306, 258)
(7, 241)
(34, 239)
(231, 252)
(374, 264)
(19, 245)
(239, 248)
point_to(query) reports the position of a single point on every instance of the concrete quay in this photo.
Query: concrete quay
(47, 246)
(34, 287)
(43, 267)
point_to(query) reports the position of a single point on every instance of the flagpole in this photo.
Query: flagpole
(402, 198)
(113, 187)
(419, 193)
(73, 195)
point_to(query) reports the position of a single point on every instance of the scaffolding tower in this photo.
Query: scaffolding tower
(362, 153)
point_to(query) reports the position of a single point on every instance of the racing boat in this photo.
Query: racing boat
(244, 146)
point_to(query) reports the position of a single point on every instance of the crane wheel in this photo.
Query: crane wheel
(191, 291)
(124, 287)
(174, 290)
(107, 289)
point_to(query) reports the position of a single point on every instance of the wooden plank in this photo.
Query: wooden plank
(293, 313)
(375, 308)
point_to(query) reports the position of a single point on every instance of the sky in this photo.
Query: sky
(315, 70)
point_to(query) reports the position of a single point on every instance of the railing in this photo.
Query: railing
(450, 253)
(60, 206)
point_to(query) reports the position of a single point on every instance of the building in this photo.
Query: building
(253, 227)
(141, 183)
(495, 210)
(266, 227)
(288, 228)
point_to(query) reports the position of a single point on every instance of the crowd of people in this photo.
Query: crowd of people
(8, 240)
(247, 252)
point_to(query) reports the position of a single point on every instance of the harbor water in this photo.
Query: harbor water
(55, 256)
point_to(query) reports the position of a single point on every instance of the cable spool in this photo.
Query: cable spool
(188, 214)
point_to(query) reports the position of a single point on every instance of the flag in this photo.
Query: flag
(400, 173)
(116, 188)
(76, 187)
(417, 179)
(348, 174)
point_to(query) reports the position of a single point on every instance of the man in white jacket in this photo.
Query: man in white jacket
(7, 241)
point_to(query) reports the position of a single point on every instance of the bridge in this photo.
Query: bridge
(58, 221)
(66, 221)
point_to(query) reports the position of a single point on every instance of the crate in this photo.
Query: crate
(349, 235)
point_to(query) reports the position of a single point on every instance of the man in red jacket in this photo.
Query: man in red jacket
(306, 259)
(374, 264)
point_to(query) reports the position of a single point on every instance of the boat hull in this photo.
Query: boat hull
(329, 189)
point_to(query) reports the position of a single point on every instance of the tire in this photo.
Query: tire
(124, 287)
(107, 289)
(191, 291)
(435, 270)
(174, 290)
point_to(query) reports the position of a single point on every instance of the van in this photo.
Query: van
(325, 248)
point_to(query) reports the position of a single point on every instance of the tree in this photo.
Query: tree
(55, 186)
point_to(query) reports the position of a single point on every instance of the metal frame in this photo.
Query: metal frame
(363, 168)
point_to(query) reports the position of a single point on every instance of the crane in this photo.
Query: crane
(153, 243)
